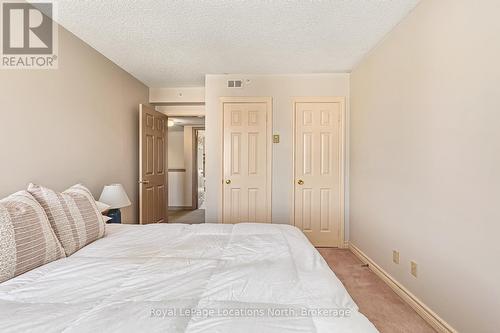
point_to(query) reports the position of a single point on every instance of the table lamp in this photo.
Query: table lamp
(115, 196)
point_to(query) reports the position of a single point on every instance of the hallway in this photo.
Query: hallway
(196, 216)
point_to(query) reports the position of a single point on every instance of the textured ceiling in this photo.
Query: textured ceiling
(175, 43)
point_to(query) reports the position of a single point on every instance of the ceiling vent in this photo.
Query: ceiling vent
(235, 84)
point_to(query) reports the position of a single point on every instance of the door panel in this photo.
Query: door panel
(235, 154)
(160, 149)
(245, 163)
(148, 204)
(307, 208)
(235, 205)
(153, 176)
(318, 171)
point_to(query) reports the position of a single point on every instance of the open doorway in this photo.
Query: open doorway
(186, 169)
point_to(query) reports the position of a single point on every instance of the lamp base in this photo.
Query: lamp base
(116, 216)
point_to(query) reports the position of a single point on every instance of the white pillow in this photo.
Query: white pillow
(102, 207)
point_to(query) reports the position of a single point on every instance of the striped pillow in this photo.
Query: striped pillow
(26, 238)
(73, 215)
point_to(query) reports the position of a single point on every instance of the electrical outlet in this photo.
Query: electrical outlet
(276, 138)
(395, 256)
(413, 268)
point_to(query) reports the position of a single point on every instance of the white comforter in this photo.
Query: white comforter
(184, 278)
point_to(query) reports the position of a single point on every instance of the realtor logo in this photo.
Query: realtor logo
(29, 35)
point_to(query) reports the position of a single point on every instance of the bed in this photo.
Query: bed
(184, 278)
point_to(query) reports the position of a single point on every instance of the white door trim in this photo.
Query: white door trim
(269, 107)
(342, 143)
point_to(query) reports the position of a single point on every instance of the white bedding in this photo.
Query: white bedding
(233, 278)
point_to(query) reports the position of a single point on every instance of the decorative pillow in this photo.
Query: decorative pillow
(26, 238)
(73, 215)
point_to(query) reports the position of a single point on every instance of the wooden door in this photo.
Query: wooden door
(246, 162)
(153, 192)
(318, 172)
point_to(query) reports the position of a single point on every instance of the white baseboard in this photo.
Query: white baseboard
(423, 310)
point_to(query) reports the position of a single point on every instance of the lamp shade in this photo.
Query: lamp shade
(115, 196)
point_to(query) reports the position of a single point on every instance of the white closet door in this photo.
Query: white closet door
(318, 172)
(246, 195)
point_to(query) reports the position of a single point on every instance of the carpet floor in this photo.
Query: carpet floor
(186, 216)
(376, 300)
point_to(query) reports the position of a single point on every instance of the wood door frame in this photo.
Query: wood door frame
(194, 167)
(342, 160)
(269, 108)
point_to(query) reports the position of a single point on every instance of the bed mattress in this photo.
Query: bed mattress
(184, 278)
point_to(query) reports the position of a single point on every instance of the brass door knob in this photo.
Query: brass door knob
(300, 182)
(228, 181)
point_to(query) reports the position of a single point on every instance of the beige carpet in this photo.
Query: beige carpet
(186, 216)
(386, 310)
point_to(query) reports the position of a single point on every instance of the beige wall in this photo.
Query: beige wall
(78, 123)
(425, 158)
(182, 110)
(283, 89)
(176, 149)
(176, 179)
